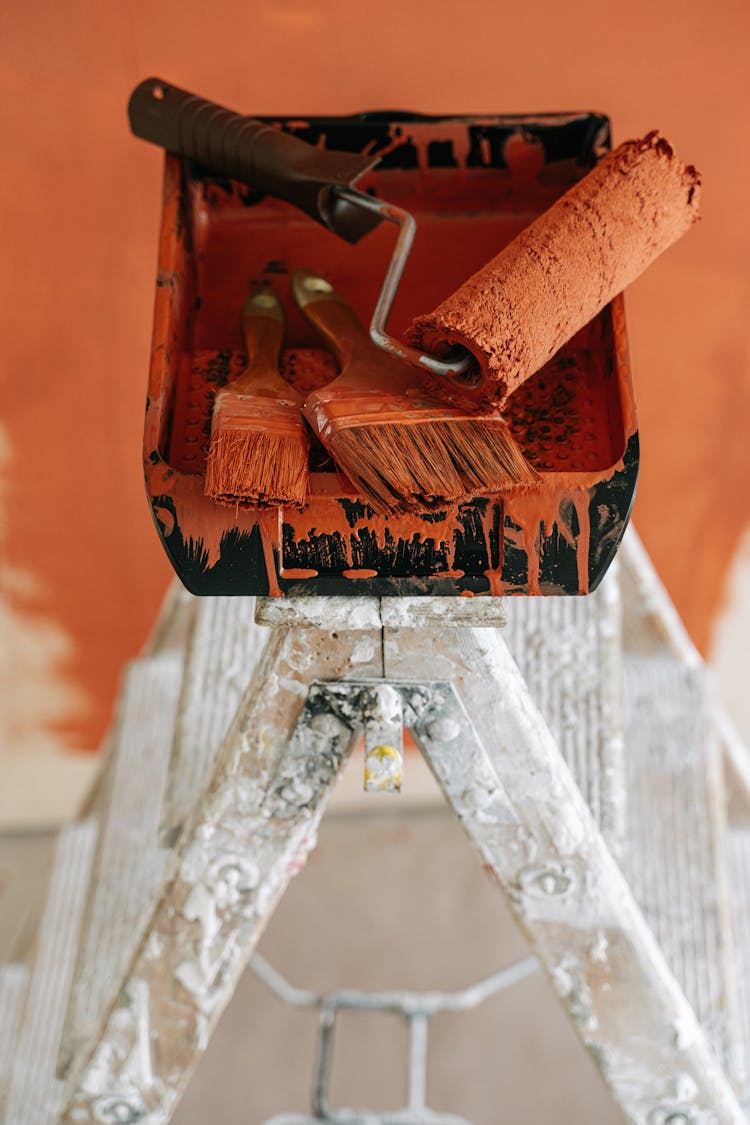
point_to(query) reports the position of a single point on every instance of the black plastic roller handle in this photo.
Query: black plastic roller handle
(240, 148)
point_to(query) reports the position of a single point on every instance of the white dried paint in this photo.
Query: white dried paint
(364, 651)
(382, 713)
(325, 724)
(155, 946)
(222, 886)
(398, 613)
(684, 1034)
(384, 769)
(122, 1101)
(545, 890)
(569, 979)
(319, 613)
(139, 990)
(685, 1087)
(444, 729)
(599, 950)
(294, 686)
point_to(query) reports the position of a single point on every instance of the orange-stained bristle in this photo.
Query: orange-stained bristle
(254, 468)
(259, 452)
(430, 464)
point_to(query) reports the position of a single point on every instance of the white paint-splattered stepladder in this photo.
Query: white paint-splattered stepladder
(253, 710)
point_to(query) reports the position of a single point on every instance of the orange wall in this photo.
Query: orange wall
(80, 206)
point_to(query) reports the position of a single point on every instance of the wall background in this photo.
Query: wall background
(81, 572)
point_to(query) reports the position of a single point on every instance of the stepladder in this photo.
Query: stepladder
(511, 722)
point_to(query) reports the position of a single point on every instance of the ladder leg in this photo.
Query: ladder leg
(510, 787)
(248, 835)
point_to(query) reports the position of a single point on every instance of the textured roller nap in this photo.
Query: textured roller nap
(517, 311)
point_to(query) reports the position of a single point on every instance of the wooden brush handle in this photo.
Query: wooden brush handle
(263, 329)
(333, 318)
(371, 381)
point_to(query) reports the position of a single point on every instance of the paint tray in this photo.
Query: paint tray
(472, 185)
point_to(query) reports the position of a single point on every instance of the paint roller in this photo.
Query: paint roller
(559, 272)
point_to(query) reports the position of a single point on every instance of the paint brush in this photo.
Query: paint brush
(259, 448)
(400, 445)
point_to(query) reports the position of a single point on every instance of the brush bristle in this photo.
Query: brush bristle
(251, 468)
(258, 454)
(400, 467)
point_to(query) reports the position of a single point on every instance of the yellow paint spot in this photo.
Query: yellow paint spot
(380, 753)
(383, 768)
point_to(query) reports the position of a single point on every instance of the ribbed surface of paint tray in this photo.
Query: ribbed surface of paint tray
(559, 417)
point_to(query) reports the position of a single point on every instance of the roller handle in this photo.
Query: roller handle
(273, 162)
